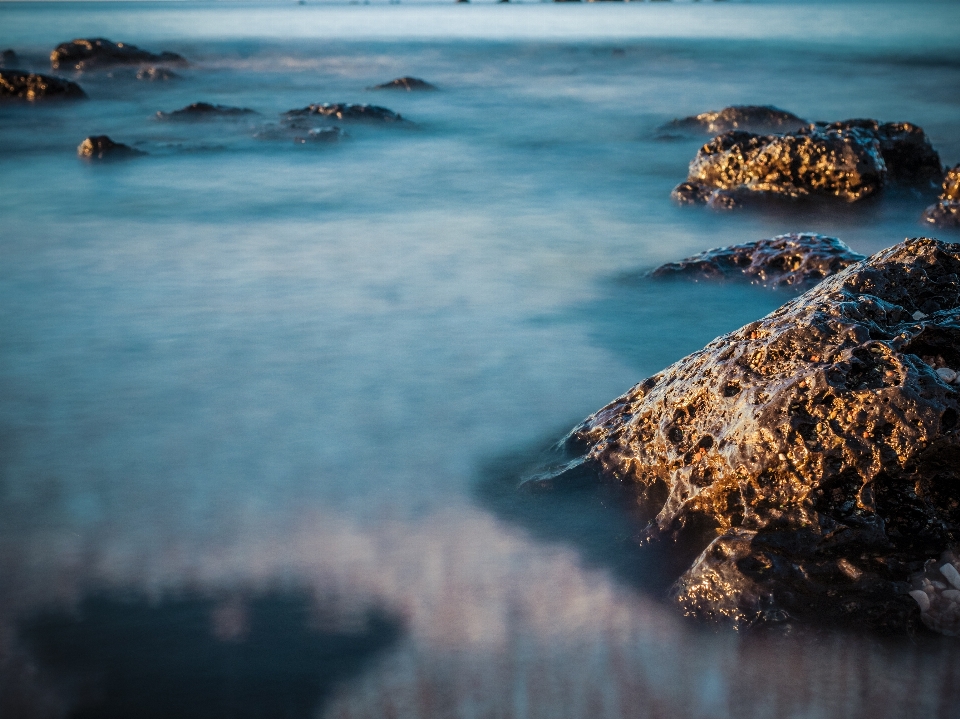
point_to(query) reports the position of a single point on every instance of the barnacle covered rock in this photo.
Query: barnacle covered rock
(937, 593)
(848, 161)
(752, 118)
(101, 147)
(29, 86)
(811, 456)
(946, 211)
(98, 52)
(792, 259)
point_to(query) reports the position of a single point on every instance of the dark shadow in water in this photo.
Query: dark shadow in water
(265, 657)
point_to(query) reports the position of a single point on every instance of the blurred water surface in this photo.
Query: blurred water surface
(243, 371)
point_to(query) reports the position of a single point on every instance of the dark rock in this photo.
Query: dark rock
(84, 54)
(204, 111)
(156, 74)
(812, 456)
(322, 134)
(20, 85)
(345, 111)
(405, 83)
(785, 260)
(752, 118)
(946, 211)
(101, 147)
(848, 161)
(9, 59)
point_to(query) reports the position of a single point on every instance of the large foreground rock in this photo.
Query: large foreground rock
(946, 211)
(751, 118)
(848, 161)
(98, 52)
(793, 259)
(813, 455)
(29, 86)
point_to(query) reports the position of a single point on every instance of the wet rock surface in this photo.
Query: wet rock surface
(342, 111)
(946, 211)
(21, 85)
(204, 111)
(793, 259)
(409, 84)
(101, 147)
(93, 53)
(846, 161)
(750, 118)
(809, 459)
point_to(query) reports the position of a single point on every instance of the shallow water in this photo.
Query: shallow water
(284, 386)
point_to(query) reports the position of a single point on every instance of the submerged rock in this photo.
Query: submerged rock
(811, 457)
(204, 111)
(321, 134)
(946, 211)
(9, 59)
(101, 147)
(89, 54)
(20, 85)
(156, 74)
(848, 161)
(785, 260)
(405, 83)
(752, 118)
(345, 111)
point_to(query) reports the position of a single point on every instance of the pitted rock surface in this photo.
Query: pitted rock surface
(20, 85)
(794, 259)
(946, 211)
(101, 147)
(751, 118)
(204, 111)
(98, 52)
(848, 161)
(344, 111)
(408, 84)
(813, 454)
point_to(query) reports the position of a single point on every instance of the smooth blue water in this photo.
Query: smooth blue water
(238, 367)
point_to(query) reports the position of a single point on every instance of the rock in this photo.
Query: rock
(785, 260)
(9, 59)
(156, 74)
(937, 594)
(810, 457)
(20, 85)
(84, 54)
(344, 111)
(848, 161)
(946, 211)
(101, 147)
(204, 111)
(405, 83)
(752, 118)
(322, 134)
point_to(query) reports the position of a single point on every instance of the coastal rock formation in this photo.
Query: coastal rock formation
(204, 111)
(405, 83)
(89, 54)
(751, 118)
(785, 260)
(344, 111)
(946, 211)
(811, 457)
(101, 147)
(848, 161)
(20, 85)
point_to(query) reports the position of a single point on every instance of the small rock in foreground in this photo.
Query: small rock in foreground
(345, 111)
(405, 83)
(946, 211)
(811, 455)
(785, 260)
(20, 85)
(101, 147)
(752, 118)
(204, 111)
(89, 54)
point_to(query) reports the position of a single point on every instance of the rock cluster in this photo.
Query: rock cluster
(937, 593)
(204, 111)
(405, 83)
(89, 54)
(946, 211)
(793, 259)
(20, 85)
(848, 161)
(345, 111)
(811, 455)
(101, 147)
(751, 118)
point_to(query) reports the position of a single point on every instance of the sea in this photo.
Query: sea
(264, 402)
